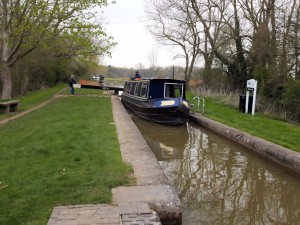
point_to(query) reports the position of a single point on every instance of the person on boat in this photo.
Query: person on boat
(71, 82)
(136, 76)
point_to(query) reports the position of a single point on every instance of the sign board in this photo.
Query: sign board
(251, 84)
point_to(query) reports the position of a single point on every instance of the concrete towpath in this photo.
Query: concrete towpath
(153, 201)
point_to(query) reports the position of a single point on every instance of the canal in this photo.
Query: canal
(220, 182)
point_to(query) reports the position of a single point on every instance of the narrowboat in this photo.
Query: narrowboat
(158, 100)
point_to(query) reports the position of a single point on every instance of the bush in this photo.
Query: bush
(291, 98)
(286, 108)
(215, 79)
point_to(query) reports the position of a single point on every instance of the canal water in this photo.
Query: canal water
(220, 182)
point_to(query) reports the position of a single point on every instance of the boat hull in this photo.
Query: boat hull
(165, 111)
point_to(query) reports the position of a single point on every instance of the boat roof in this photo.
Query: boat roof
(159, 80)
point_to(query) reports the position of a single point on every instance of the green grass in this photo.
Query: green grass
(34, 98)
(64, 153)
(276, 131)
(83, 91)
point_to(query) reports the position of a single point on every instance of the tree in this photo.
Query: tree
(228, 47)
(171, 23)
(273, 58)
(67, 25)
(152, 58)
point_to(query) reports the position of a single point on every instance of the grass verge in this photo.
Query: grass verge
(64, 153)
(34, 98)
(276, 131)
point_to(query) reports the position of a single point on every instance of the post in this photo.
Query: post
(173, 74)
(254, 101)
(247, 101)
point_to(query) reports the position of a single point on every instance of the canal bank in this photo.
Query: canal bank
(153, 186)
(153, 201)
(286, 158)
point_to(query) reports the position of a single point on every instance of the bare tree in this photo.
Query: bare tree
(171, 23)
(152, 58)
(227, 43)
(140, 66)
(251, 38)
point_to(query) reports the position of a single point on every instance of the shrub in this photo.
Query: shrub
(291, 98)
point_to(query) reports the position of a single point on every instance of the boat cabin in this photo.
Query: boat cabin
(159, 88)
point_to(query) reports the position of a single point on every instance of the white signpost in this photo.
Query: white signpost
(251, 86)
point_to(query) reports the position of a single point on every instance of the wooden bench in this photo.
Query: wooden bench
(9, 106)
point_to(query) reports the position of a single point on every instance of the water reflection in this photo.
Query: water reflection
(219, 182)
(166, 142)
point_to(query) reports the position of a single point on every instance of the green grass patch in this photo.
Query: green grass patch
(34, 98)
(120, 79)
(64, 153)
(87, 91)
(276, 131)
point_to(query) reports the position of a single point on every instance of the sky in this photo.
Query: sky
(125, 24)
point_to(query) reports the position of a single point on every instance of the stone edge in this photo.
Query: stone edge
(276, 153)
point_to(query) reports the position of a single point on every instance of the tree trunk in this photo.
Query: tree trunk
(186, 76)
(6, 82)
(6, 70)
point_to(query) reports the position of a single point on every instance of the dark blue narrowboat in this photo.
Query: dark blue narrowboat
(158, 100)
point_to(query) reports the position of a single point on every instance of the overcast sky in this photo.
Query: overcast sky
(125, 24)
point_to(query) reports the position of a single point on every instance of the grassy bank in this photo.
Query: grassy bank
(64, 153)
(276, 131)
(32, 99)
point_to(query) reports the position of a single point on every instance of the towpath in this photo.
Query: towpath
(151, 201)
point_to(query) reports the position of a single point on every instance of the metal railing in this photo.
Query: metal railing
(199, 106)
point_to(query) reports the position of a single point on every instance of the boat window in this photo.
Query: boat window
(132, 88)
(144, 89)
(178, 91)
(138, 89)
(127, 87)
(173, 90)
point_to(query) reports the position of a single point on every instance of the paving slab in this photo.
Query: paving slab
(161, 198)
(134, 208)
(138, 214)
(140, 219)
(100, 214)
